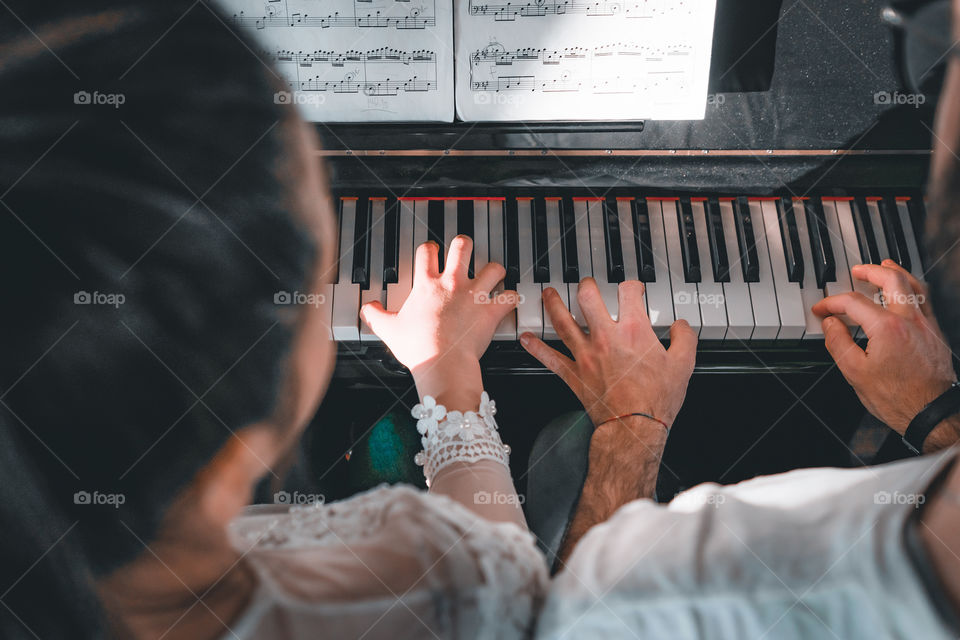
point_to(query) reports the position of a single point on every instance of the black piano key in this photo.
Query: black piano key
(893, 232)
(465, 225)
(688, 242)
(391, 242)
(918, 216)
(821, 249)
(568, 231)
(541, 260)
(790, 237)
(718, 246)
(869, 251)
(646, 268)
(435, 226)
(511, 237)
(746, 240)
(361, 243)
(611, 235)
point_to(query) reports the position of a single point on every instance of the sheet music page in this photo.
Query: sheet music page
(583, 59)
(357, 60)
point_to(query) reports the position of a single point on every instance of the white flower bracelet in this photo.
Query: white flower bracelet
(454, 436)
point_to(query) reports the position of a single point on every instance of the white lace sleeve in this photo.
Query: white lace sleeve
(453, 436)
(389, 563)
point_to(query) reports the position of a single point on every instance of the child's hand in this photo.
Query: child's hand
(445, 324)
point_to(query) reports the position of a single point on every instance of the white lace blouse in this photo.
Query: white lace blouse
(396, 562)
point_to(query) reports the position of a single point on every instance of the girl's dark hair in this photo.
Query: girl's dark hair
(146, 223)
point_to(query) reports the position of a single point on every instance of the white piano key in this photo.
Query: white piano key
(481, 247)
(530, 307)
(584, 261)
(736, 293)
(660, 292)
(375, 292)
(763, 294)
(713, 307)
(913, 248)
(449, 226)
(789, 299)
(397, 292)
(627, 243)
(685, 297)
(598, 257)
(507, 329)
(555, 262)
(875, 221)
(810, 294)
(346, 295)
(843, 283)
(852, 250)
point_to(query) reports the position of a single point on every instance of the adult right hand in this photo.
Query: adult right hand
(907, 362)
(620, 367)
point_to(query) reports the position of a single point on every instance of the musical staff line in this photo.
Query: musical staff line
(397, 14)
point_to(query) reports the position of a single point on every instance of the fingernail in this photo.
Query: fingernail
(524, 339)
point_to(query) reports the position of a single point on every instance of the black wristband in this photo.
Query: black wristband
(944, 406)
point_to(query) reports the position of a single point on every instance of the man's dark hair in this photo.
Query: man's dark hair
(146, 221)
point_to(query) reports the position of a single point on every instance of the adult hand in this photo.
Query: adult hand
(907, 362)
(620, 367)
(445, 324)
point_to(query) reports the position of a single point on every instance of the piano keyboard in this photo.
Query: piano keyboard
(737, 269)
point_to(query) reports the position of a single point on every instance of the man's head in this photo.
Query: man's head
(153, 200)
(943, 213)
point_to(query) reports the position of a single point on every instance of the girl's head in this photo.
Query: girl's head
(155, 197)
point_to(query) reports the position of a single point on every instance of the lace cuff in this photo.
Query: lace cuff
(452, 436)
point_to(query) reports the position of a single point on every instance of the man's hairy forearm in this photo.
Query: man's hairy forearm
(623, 464)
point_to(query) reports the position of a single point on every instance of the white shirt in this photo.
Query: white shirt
(394, 562)
(816, 553)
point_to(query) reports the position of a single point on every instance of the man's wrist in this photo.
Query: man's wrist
(630, 437)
